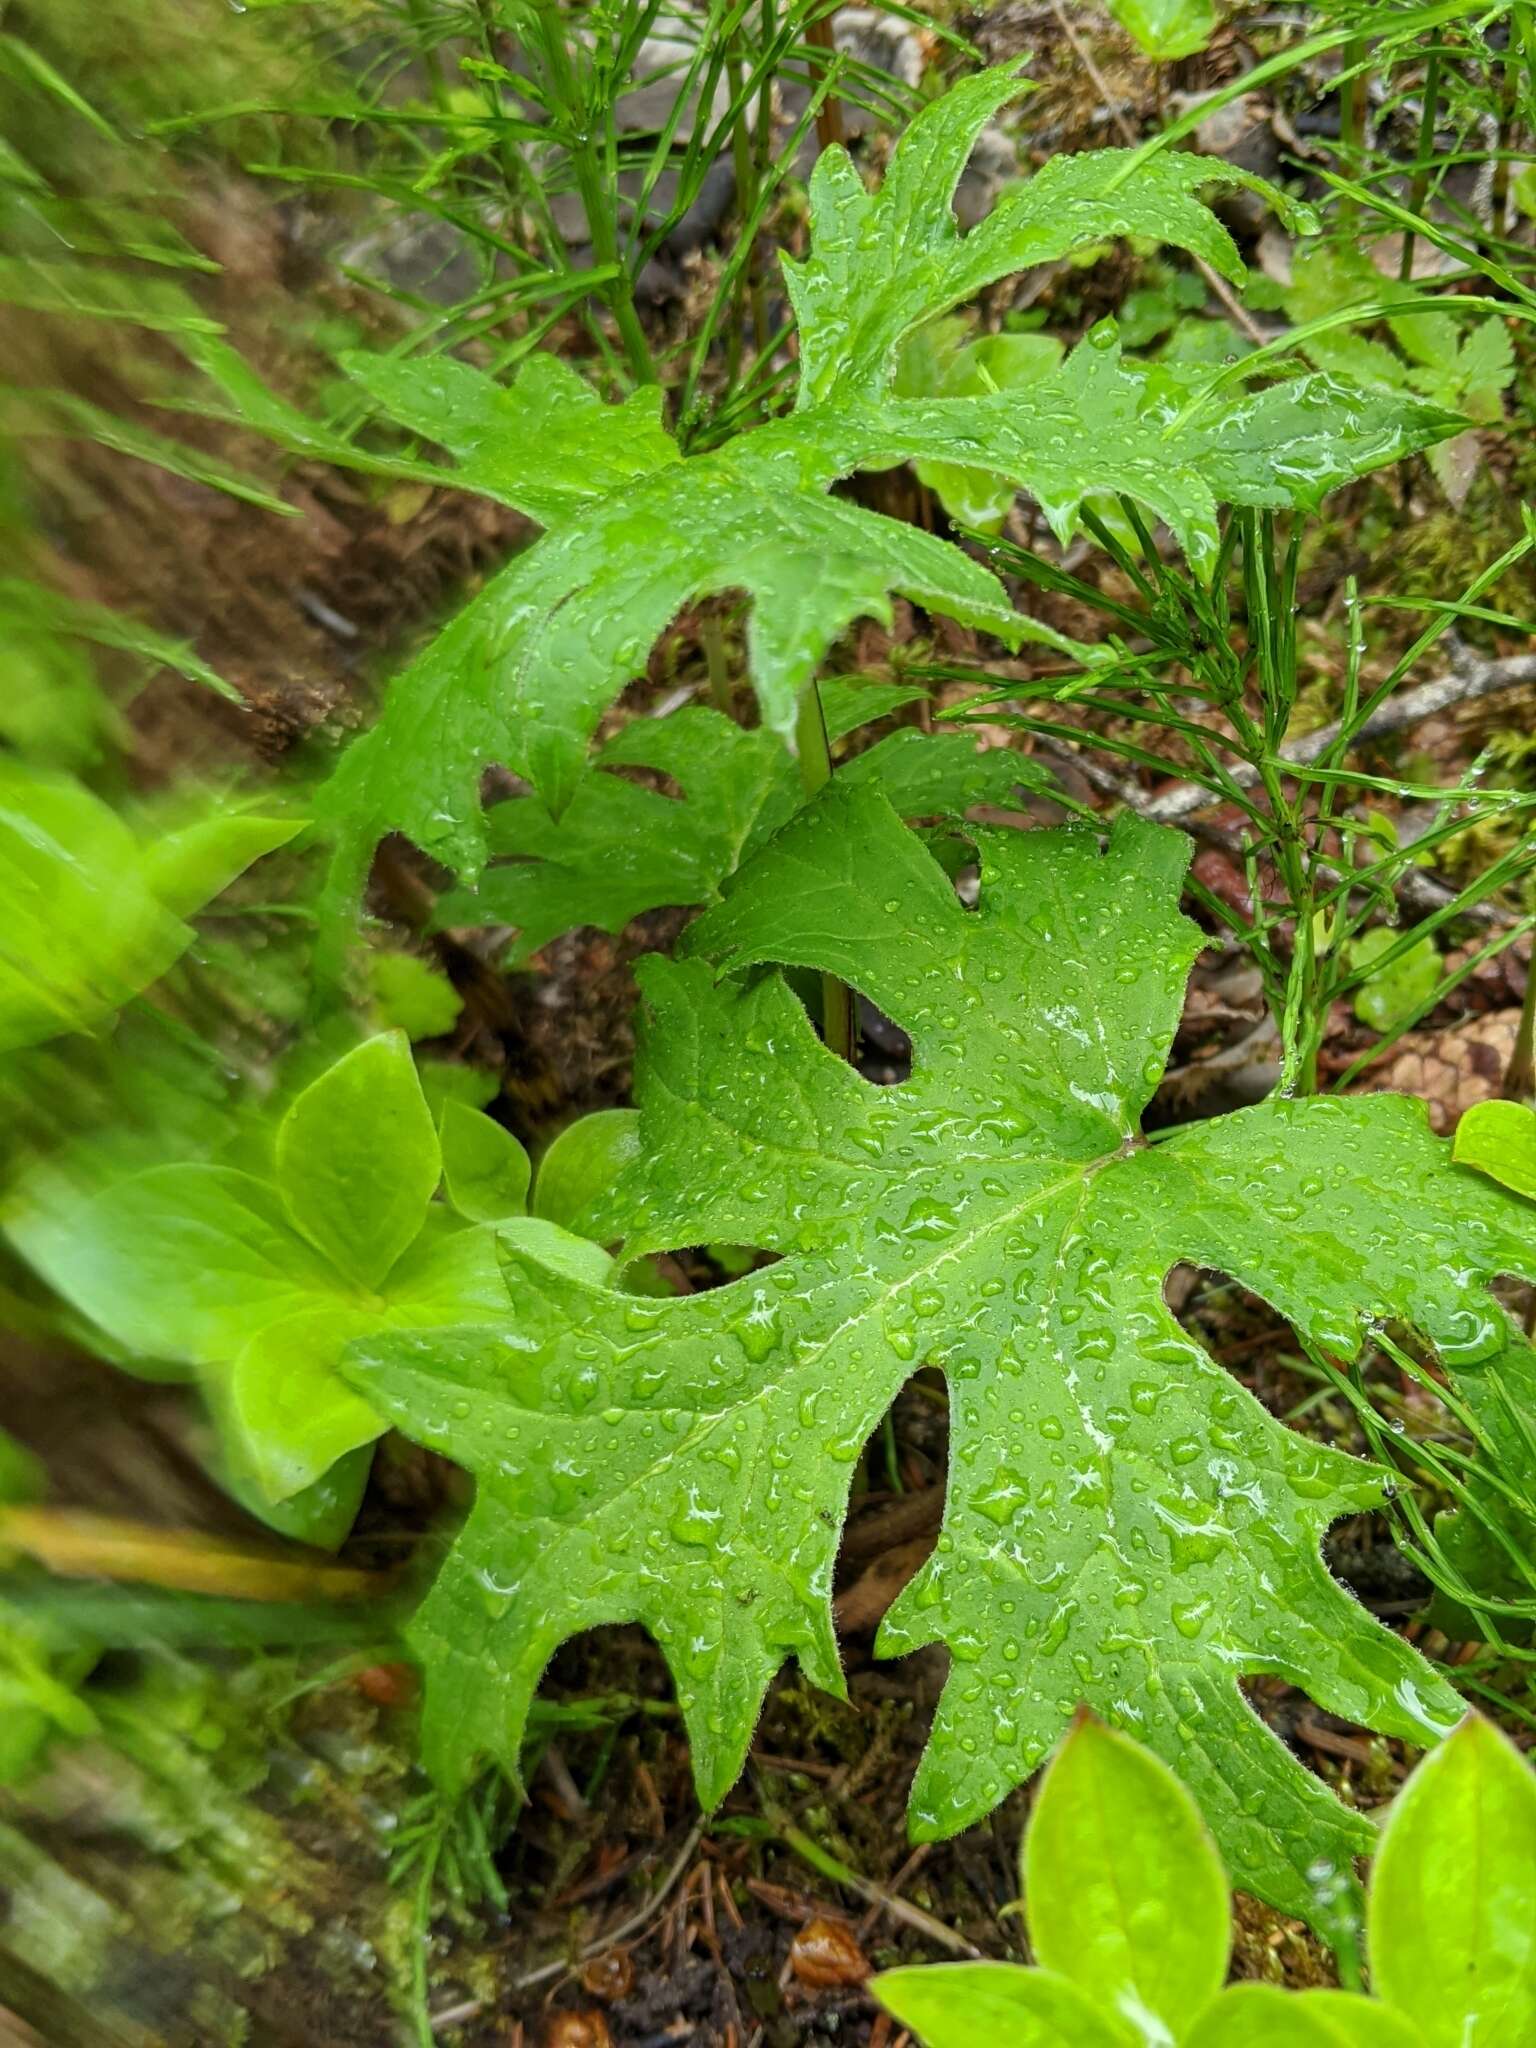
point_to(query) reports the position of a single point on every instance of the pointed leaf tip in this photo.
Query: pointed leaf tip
(358, 1159)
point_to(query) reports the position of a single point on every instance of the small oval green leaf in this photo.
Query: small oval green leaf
(485, 1169)
(584, 1162)
(1167, 28)
(1263, 2016)
(1452, 1931)
(358, 1159)
(296, 1415)
(996, 2005)
(1123, 1889)
(1499, 1139)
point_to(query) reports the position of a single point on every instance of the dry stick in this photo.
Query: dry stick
(878, 1895)
(1215, 282)
(1520, 1076)
(1470, 678)
(77, 1544)
(898, 1884)
(1417, 891)
(829, 116)
(626, 1928)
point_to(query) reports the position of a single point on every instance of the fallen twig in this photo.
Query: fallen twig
(77, 1544)
(1469, 678)
(877, 1895)
(1415, 889)
(627, 1929)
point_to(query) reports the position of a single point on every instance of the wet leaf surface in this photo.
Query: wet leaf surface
(1125, 1525)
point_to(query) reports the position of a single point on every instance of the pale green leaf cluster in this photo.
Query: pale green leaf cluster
(938, 362)
(1125, 1525)
(93, 912)
(1405, 985)
(636, 531)
(254, 1280)
(1126, 1904)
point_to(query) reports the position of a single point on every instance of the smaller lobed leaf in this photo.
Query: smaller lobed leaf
(545, 443)
(620, 850)
(882, 262)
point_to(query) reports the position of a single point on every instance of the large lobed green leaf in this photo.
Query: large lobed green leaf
(1125, 1525)
(882, 262)
(524, 672)
(636, 533)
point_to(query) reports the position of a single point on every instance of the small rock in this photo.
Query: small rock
(660, 72)
(824, 1953)
(880, 42)
(993, 163)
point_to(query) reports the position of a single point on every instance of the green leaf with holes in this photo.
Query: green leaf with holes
(1125, 1525)
(622, 849)
(637, 531)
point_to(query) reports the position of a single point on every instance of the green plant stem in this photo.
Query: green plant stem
(815, 754)
(744, 167)
(1420, 186)
(1352, 120)
(431, 61)
(712, 637)
(1520, 1078)
(593, 188)
(762, 157)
